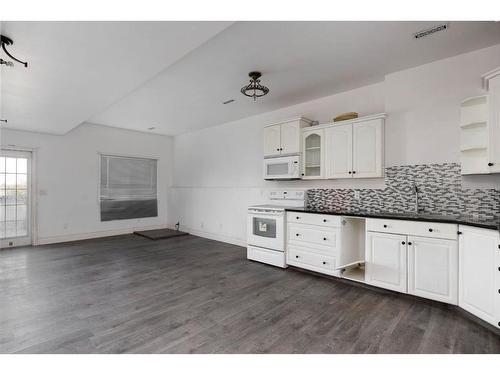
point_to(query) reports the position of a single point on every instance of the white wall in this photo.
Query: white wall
(423, 104)
(218, 171)
(67, 173)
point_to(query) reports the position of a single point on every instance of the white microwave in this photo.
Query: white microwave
(282, 168)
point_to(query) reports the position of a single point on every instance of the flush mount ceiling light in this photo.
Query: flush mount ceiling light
(254, 89)
(6, 41)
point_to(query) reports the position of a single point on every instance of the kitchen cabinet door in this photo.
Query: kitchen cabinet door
(338, 151)
(368, 149)
(290, 137)
(313, 163)
(494, 124)
(385, 261)
(272, 140)
(433, 269)
(478, 275)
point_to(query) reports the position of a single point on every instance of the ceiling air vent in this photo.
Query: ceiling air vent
(432, 30)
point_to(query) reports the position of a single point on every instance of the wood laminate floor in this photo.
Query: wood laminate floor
(127, 294)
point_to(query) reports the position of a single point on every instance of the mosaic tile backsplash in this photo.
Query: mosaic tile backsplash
(440, 193)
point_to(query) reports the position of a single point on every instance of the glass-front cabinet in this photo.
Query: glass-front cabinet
(313, 151)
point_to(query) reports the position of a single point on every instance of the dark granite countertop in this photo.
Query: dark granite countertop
(451, 219)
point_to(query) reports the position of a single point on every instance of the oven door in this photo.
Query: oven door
(266, 229)
(283, 168)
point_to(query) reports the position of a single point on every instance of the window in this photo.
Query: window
(128, 188)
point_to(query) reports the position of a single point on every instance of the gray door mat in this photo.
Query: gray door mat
(159, 234)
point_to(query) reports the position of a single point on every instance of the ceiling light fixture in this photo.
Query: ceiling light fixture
(254, 89)
(6, 41)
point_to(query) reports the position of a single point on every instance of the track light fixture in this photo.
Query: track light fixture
(6, 41)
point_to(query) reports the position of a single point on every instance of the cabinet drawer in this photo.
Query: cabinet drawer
(323, 239)
(303, 258)
(313, 219)
(415, 228)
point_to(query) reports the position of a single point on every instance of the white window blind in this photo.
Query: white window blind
(128, 187)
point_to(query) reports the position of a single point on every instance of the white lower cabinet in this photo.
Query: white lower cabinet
(312, 242)
(385, 258)
(408, 262)
(324, 243)
(433, 268)
(479, 273)
(304, 257)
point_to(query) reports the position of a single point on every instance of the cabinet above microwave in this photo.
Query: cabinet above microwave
(284, 138)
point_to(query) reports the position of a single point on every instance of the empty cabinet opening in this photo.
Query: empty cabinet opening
(352, 252)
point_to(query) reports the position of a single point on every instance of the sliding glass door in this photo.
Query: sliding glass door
(15, 198)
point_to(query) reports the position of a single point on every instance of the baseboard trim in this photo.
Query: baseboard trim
(90, 235)
(117, 232)
(216, 237)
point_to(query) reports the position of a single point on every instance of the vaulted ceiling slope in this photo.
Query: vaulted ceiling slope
(78, 69)
(174, 76)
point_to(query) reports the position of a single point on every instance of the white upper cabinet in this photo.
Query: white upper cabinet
(474, 139)
(272, 140)
(367, 149)
(338, 151)
(355, 149)
(480, 129)
(290, 137)
(479, 273)
(313, 154)
(284, 138)
(385, 259)
(347, 149)
(433, 268)
(494, 123)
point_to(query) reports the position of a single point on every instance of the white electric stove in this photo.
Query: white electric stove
(266, 229)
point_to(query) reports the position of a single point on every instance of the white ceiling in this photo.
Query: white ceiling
(184, 71)
(78, 69)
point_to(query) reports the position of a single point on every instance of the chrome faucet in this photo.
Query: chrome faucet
(415, 190)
